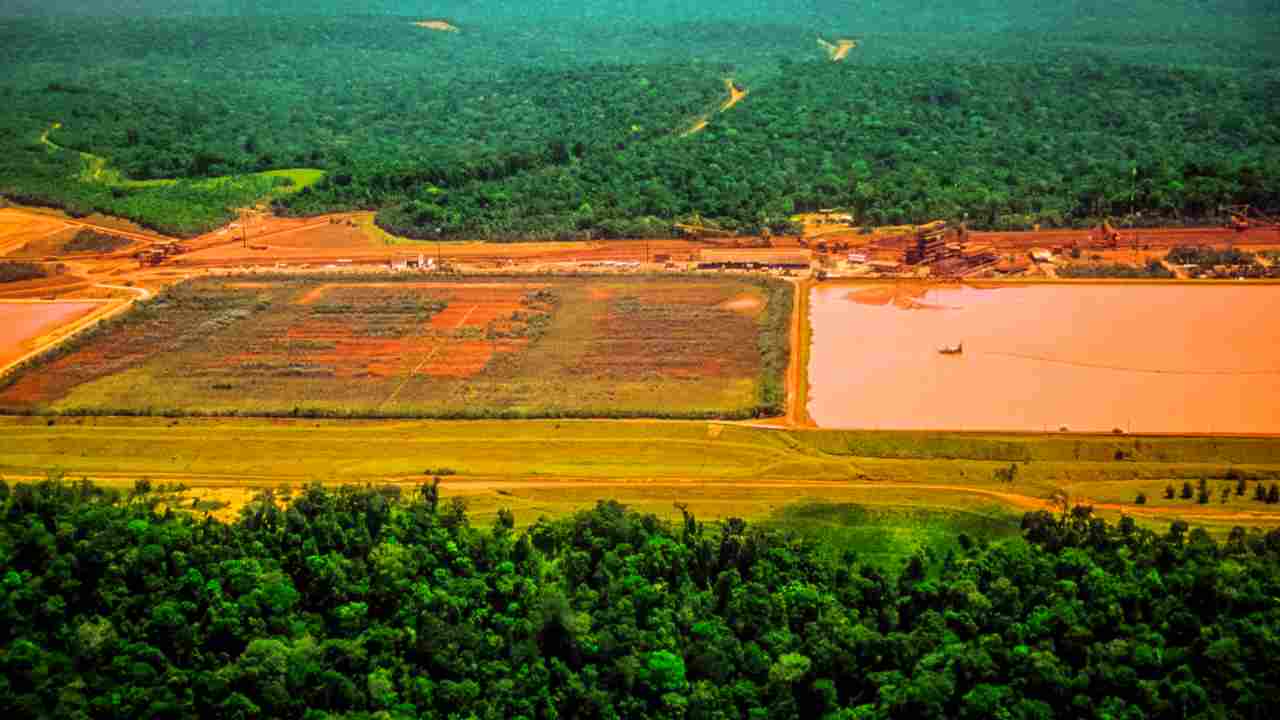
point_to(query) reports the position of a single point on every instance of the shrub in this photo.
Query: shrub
(19, 271)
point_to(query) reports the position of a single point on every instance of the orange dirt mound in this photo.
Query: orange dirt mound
(905, 297)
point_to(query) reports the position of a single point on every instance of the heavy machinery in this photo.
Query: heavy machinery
(832, 246)
(159, 252)
(1244, 217)
(1105, 235)
(149, 257)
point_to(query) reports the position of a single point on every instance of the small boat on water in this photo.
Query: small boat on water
(957, 349)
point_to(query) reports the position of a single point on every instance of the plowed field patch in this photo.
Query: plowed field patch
(568, 346)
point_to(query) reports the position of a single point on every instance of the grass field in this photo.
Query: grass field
(97, 169)
(887, 536)
(505, 347)
(920, 485)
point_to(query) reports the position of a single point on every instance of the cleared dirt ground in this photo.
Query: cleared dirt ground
(18, 229)
(320, 242)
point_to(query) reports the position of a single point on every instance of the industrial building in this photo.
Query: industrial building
(947, 251)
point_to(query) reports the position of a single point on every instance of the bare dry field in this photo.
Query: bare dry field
(19, 229)
(320, 241)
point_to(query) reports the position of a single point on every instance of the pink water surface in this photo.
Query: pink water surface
(23, 322)
(1142, 358)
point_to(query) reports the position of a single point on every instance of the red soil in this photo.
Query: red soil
(318, 242)
(1148, 237)
(434, 348)
(50, 287)
(672, 331)
(96, 360)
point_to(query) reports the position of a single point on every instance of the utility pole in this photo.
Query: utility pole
(1133, 194)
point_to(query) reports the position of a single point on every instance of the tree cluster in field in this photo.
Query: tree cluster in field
(1202, 494)
(360, 603)
(1230, 262)
(93, 241)
(35, 174)
(499, 134)
(13, 271)
(1153, 269)
(1209, 256)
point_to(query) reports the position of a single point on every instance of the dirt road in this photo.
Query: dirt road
(798, 370)
(736, 94)
(1148, 237)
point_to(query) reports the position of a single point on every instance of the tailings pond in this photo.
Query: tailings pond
(1140, 358)
(22, 323)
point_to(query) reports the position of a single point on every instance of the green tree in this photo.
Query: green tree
(664, 671)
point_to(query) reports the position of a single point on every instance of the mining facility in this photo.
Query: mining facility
(947, 251)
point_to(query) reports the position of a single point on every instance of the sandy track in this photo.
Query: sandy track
(736, 95)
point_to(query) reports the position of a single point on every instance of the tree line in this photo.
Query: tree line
(372, 602)
(493, 133)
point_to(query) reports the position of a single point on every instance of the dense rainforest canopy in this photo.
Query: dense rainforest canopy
(358, 603)
(570, 120)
